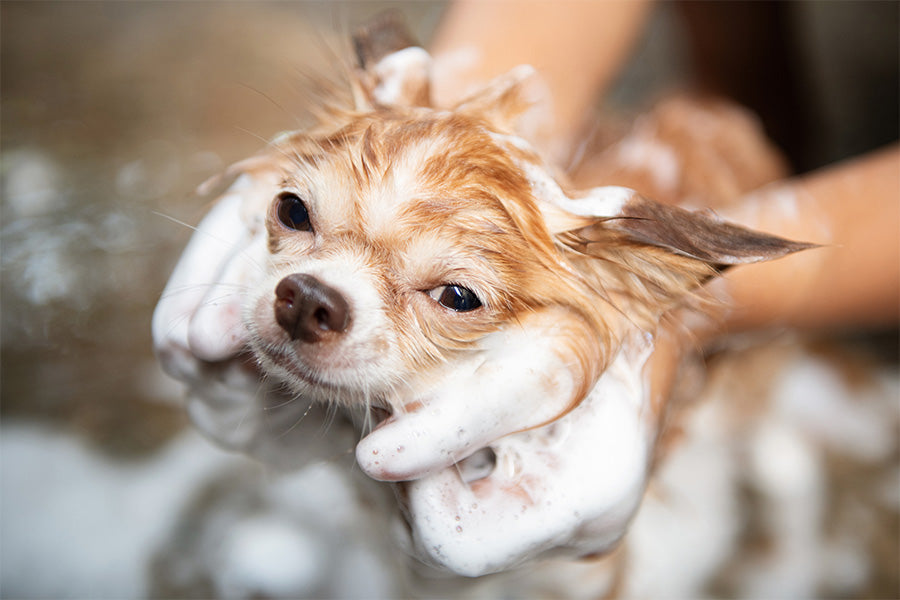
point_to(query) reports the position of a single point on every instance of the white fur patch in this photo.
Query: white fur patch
(599, 202)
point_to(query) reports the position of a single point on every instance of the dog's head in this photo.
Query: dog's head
(403, 239)
(398, 242)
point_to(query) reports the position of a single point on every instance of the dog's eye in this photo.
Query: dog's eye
(455, 297)
(292, 212)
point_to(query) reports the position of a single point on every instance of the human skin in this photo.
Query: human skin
(853, 280)
(578, 48)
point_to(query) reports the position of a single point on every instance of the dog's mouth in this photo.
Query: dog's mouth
(323, 385)
(311, 377)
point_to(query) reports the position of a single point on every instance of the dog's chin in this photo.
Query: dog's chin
(348, 384)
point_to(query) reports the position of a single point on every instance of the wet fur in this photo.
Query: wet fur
(410, 198)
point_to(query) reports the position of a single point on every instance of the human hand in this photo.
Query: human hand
(570, 487)
(197, 319)
(521, 377)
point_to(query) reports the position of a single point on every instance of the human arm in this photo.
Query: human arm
(577, 47)
(853, 210)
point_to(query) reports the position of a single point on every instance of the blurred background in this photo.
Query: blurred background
(113, 113)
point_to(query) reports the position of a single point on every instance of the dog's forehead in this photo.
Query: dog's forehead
(399, 175)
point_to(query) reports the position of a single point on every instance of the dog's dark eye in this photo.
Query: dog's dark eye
(292, 212)
(455, 297)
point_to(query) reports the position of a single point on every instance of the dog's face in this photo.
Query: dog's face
(405, 243)
(398, 244)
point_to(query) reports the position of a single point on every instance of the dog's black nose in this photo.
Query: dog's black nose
(308, 310)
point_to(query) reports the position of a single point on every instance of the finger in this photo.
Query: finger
(234, 409)
(225, 406)
(433, 437)
(216, 331)
(521, 383)
(215, 239)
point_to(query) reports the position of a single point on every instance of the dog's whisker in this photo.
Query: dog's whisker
(216, 300)
(226, 243)
(187, 225)
(242, 420)
(331, 412)
(273, 102)
(286, 402)
(298, 421)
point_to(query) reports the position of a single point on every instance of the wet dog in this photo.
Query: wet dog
(427, 269)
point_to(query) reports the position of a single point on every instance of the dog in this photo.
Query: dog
(489, 326)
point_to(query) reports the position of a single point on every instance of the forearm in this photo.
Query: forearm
(577, 47)
(853, 280)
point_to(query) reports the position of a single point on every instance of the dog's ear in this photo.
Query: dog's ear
(668, 249)
(392, 70)
(698, 235)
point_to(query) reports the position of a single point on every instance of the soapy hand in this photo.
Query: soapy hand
(197, 319)
(570, 486)
(519, 379)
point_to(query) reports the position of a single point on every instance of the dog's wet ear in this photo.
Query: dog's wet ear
(699, 235)
(671, 249)
(392, 70)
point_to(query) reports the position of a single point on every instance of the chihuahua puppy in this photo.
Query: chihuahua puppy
(427, 269)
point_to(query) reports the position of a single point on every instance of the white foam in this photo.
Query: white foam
(265, 555)
(215, 330)
(660, 160)
(855, 421)
(599, 202)
(196, 316)
(688, 522)
(604, 201)
(32, 184)
(397, 71)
